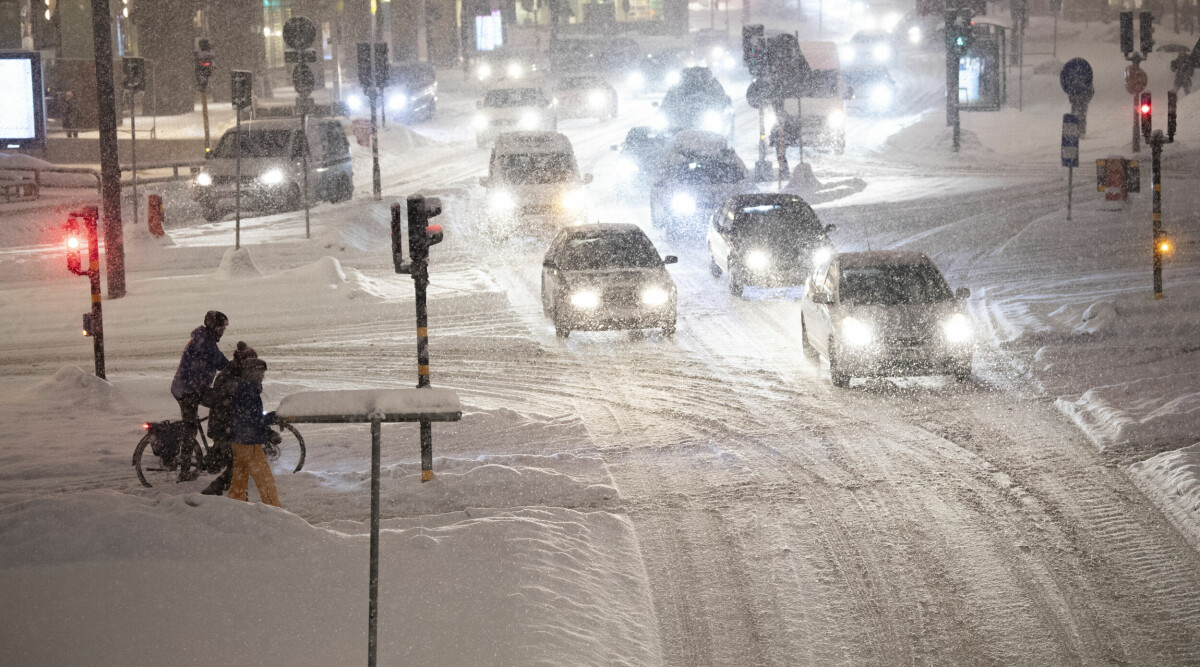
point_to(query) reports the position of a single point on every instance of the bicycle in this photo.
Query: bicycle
(169, 438)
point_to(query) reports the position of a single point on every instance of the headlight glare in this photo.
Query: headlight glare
(574, 200)
(712, 121)
(655, 296)
(203, 179)
(822, 256)
(515, 70)
(914, 35)
(397, 102)
(881, 97)
(354, 102)
(856, 332)
(479, 122)
(957, 328)
(484, 71)
(882, 53)
(836, 118)
(585, 299)
(636, 80)
(847, 53)
(502, 202)
(683, 204)
(597, 98)
(757, 260)
(271, 177)
(671, 79)
(530, 120)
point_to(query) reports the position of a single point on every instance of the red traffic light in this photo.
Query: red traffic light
(1145, 108)
(73, 242)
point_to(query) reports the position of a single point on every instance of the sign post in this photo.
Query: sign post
(1070, 153)
(298, 34)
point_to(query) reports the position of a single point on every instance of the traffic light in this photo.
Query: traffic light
(397, 238)
(1126, 33)
(204, 63)
(757, 60)
(1172, 101)
(242, 88)
(1146, 32)
(958, 31)
(135, 74)
(381, 65)
(1144, 113)
(365, 79)
(89, 324)
(74, 244)
(749, 33)
(421, 234)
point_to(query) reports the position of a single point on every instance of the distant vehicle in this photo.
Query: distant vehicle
(697, 102)
(596, 54)
(512, 105)
(822, 106)
(272, 157)
(641, 153)
(871, 90)
(657, 72)
(533, 181)
(501, 64)
(886, 312)
(921, 30)
(696, 176)
(607, 276)
(585, 96)
(868, 48)
(712, 48)
(766, 240)
(412, 95)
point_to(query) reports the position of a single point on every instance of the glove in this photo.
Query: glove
(274, 437)
(269, 418)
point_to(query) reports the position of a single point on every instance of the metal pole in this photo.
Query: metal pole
(420, 273)
(133, 151)
(1070, 189)
(373, 605)
(204, 113)
(376, 181)
(91, 220)
(237, 181)
(1156, 145)
(110, 166)
(304, 129)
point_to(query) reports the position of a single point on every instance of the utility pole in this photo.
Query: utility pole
(1162, 244)
(110, 165)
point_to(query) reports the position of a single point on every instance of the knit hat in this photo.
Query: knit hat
(243, 352)
(255, 363)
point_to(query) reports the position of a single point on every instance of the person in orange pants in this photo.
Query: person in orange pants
(251, 430)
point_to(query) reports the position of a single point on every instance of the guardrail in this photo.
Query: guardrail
(95, 173)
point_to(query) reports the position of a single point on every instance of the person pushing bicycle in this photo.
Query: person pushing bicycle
(201, 361)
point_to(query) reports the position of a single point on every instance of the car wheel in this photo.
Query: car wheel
(210, 212)
(713, 267)
(962, 372)
(737, 284)
(345, 190)
(840, 377)
(561, 329)
(669, 328)
(806, 346)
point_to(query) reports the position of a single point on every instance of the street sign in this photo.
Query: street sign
(362, 131)
(1135, 79)
(302, 80)
(1076, 77)
(299, 33)
(1070, 140)
(757, 94)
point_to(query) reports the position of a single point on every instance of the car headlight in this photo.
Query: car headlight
(203, 180)
(479, 122)
(856, 332)
(847, 53)
(484, 71)
(683, 204)
(530, 120)
(271, 177)
(585, 299)
(655, 296)
(757, 260)
(636, 80)
(717, 52)
(958, 328)
(597, 98)
(914, 35)
(502, 202)
(882, 53)
(881, 97)
(659, 122)
(397, 102)
(514, 70)
(354, 102)
(712, 121)
(671, 78)
(822, 256)
(836, 118)
(574, 200)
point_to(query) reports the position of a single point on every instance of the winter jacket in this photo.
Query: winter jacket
(200, 362)
(249, 424)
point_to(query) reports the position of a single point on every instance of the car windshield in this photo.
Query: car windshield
(256, 143)
(785, 224)
(705, 171)
(533, 168)
(821, 83)
(514, 97)
(609, 250)
(581, 83)
(893, 285)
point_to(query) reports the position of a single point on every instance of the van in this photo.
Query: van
(533, 179)
(272, 171)
(513, 105)
(822, 109)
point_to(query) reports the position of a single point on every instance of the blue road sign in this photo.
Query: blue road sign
(1070, 140)
(1076, 77)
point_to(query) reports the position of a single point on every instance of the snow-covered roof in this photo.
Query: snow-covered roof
(881, 258)
(533, 142)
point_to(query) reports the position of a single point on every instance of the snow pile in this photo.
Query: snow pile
(10, 163)
(237, 263)
(1174, 478)
(72, 387)
(529, 586)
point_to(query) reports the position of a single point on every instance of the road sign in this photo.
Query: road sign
(299, 33)
(1070, 140)
(1135, 79)
(362, 131)
(1076, 77)
(302, 80)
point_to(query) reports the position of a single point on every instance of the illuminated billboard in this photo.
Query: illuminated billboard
(22, 106)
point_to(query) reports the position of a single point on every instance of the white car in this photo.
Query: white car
(513, 105)
(886, 313)
(533, 182)
(607, 276)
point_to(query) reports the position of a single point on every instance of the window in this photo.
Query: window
(894, 285)
(630, 249)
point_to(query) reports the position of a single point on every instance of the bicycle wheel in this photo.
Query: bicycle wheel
(149, 466)
(299, 442)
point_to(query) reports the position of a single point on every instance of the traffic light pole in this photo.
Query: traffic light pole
(304, 128)
(1137, 122)
(1156, 145)
(93, 323)
(237, 181)
(110, 166)
(375, 178)
(204, 114)
(133, 150)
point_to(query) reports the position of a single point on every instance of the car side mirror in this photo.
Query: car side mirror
(670, 259)
(548, 263)
(830, 228)
(588, 178)
(822, 298)
(614, 147)
(962, 293)
(478, 104)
